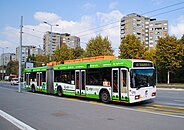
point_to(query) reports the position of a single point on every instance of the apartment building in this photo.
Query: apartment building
(145, 29)
(27, 51)
(6, 58)
(52, 40)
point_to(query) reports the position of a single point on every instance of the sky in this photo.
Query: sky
(83, 18)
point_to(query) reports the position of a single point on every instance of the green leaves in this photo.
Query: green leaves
(131, 48)
(169, 53)
(12, 68)
(65, 53)
(99, 46)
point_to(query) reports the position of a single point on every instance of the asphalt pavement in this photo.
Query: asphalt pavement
(42, 111)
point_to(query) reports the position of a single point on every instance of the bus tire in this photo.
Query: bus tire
(33, 88)
(104, 96)
(59, 91)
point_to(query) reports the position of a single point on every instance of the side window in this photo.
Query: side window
(33, 77)
(106, 76)
(57, 76)
(73, 77)
(98, 77)
(44, 76)
(93, 77)
(66, 77)
(115, 80)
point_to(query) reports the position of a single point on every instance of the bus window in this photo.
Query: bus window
(57, 76)
(73, 77)
(123, 81)
(44, 76)
(65, 77)
(115, 80)
(83, 80)
(77, 80)
(93, 77)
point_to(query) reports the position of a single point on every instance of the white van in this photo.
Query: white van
(14, 81)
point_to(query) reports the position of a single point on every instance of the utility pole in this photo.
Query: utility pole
(20, 54)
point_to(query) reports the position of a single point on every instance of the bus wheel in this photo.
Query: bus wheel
(59, 91)
(33, 89)
(104, 96)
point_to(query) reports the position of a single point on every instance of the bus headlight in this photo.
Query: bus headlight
(153, 94)
(137, 97)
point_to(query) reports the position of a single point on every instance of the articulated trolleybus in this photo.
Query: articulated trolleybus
(103, 77)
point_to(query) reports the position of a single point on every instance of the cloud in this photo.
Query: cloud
(114, 15)
(84, 28)
(111, 30)
(177, 29)
(4, 44)
(46, 16)
(113, 5)
(157, 2)
(88, 6)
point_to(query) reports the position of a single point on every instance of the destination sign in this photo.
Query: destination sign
(142, 64)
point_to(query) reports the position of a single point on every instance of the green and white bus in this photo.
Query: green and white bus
(126, 80)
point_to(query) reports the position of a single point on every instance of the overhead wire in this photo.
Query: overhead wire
(149, 16)
(114, 22)
(140, 14)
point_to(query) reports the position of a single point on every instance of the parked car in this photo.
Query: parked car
(14, 81)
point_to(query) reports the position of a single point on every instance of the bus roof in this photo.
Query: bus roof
(95, 64)
(36, 69)
(92, 64)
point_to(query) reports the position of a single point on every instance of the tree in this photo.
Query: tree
(169, 54)
(38, 60)
(12, 68)
(182, 39)
(131, 48)
(77, 52)
(150, 55)
(41, 59)
(99, 46)
(61, 54)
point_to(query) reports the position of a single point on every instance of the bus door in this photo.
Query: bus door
(80, 82)
(39, 80)
(28, 79)
(115, 84)
(123, 84)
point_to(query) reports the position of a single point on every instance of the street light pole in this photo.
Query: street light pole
(50, 41)
(2, 74)
(20, 54)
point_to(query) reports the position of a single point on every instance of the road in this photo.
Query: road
(42, 111)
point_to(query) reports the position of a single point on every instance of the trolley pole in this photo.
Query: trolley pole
(20, 54)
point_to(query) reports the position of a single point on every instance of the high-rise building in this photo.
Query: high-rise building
(27, 51)
(7, 57)
(145, 29)
(52, 40)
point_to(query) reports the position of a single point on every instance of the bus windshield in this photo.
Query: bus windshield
(142, 78)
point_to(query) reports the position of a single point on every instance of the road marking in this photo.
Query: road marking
(179, 101)
(16, 122)
(106, 105)
(95, 102)
(174, 89)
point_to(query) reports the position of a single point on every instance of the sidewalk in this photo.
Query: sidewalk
(176, 86)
